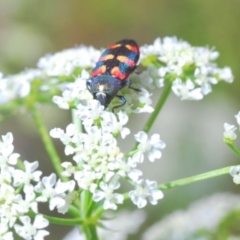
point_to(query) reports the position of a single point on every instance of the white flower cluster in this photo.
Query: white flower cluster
(137, 102)
(64, 63)
(99, 163)
(229, 130)
(235, 173)
(229, 137)
(192, 69)
(17, 86)
(20, 192)
(49, 71)
(73, 91)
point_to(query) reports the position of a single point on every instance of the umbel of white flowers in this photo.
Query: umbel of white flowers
(174, 56)
(229, 137)
(98, 162)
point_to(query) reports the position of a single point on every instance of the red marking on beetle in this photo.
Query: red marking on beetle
(107, 57)
(118, 74)
(132, 48)
(115, 46)
(99, 71)
(126, 60)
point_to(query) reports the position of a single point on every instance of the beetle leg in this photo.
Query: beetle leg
(122, 99)
(130, 86)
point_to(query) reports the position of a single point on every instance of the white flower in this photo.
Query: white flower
(229, 132)
(106, 193)
(9, 214)
(128, 168)
(73, 91)
(46, 188)
(48, 192)
(66, 138)
(226, 74)
(6, 173)
(7, 198)
(61, 189)
(187, 90)
(24, 177)
(235, 173)
(5, 234)
(55, 193)
(151, 146)
(203, 80)
(88, 114)
(144, 102)
(29, 203)
(32, 231)
(7, 193)
(62, 102)
(86, 179)
(145, 189)
(69, 169)
(146, 78)
(153, 49)
(106, 168)
(238, 118)
(6, 150)
(111, 124)
(68, 199)
(8, 138)
(123, 117)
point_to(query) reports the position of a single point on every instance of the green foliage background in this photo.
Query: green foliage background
(32, 28)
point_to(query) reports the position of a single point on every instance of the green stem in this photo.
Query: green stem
(60, 221)
(76, 120)
(184, 181)
(94, 234)
(20, 164)
(130, 154)
(90, 232)
(98, 213)
(196, 178)
(73, 211)
(86, 232)
(47, 141)
(234, 149)
(78, 124)
(86, 204)
(19, 189)
(64, 221)
(158, 107)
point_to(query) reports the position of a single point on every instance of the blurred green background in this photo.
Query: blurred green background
(191, 130)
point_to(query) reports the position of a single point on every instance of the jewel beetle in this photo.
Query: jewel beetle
(111, 72)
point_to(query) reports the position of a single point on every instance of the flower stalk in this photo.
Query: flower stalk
(195, 178)
(162, 100)
(47, 141)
